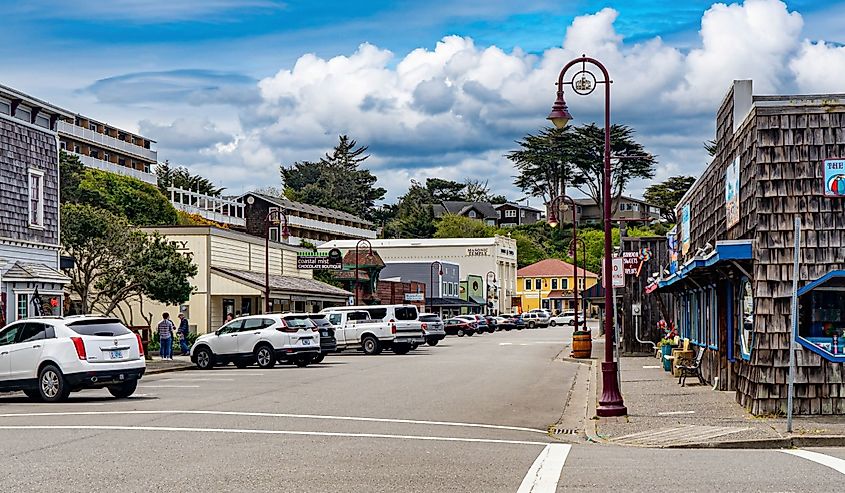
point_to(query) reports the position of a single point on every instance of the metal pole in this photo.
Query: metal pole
(616, 340)
(267, 307)
(794, 315)
(356, 273)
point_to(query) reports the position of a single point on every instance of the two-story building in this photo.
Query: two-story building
(499, 215)
(550, 284)
(442, 281)
(30, 281)
(624, 209)
(514, 214)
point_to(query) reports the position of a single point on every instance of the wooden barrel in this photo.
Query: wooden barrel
(582, 345)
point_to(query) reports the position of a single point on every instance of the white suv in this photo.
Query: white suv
(48, 358)
(259, 339)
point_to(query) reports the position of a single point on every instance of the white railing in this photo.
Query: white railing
(337, 229)
(117, 169)
(216, 209)
(106, 141)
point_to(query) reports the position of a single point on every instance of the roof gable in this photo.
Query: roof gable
(552, 267)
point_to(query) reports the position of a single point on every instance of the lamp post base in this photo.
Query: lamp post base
(611, 403)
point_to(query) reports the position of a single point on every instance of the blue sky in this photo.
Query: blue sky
(233, 88)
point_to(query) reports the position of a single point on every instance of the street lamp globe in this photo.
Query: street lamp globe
(560, 115)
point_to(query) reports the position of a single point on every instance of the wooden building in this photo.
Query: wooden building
(777, 159)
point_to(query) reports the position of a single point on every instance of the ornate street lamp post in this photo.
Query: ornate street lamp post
(554, 207)
(271, 222)
(583, 83)
(430, 296)
(357, 263)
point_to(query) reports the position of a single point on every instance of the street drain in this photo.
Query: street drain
(564, 431)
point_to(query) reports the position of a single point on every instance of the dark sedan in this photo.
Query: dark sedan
(328, 343)
(459, 327)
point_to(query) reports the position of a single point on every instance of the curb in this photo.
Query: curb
(157, 371)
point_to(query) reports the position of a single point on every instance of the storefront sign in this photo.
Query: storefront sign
(685, 229)
(631, 261)
(618, 266)
(672, 242)
(414, 297)
(732, 194)
(331, 260)
(477, 252)
(834, 177)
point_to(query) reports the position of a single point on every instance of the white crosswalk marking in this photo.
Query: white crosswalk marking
(834, 463)
(544, 474)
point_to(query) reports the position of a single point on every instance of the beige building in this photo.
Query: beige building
(476, 257)
(230, 279)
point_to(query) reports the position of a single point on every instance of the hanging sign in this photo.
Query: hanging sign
(331, 260)
(834, 178)
(618, 267)
(685, 229)
(732, 194)
(631, 260)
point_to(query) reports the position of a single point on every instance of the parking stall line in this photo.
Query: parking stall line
(544, 474)
(168, 386)
(275, 415)
(172, 429)
(834, 463)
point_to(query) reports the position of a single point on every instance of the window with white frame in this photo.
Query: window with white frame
(510, 213)
(528, 284)
(522, 213)
(472, 214)
(499, 214)
(23, 306)
(36, 198)
(626, 206)
(554, 283)
(538, 284)
(564, 283)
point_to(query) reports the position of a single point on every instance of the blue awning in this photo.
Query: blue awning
(834, 274)
(725, 251)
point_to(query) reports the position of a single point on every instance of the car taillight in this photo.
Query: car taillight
(80, 347)
(285, 328)
(424, 326)
(140, 344)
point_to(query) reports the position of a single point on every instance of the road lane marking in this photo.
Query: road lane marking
(168, 386)
(195, 380)
(506, 344)
(275, 415)
(826, 460)
(544, 474)
(170, 429)
(672, 413)
(652, 367)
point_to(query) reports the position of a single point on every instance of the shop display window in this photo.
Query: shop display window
(745, 318)
(821, 319)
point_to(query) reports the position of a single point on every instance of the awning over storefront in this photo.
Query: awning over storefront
(833, 279)
(561, 294)
(32, 272)
(477, 301)
(727, 252)
(284, 285)
(449, 303)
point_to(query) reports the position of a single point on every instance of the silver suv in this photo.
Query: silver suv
(536, 319)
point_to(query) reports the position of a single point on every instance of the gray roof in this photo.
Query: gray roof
(518, 206)
(589, 201)
(460, 208)
(287, 284)
(32, 271)
(309, 209)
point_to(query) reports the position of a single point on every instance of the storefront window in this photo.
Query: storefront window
(746, 317)
(23, 306)
(821, 323)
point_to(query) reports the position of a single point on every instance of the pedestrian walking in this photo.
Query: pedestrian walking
(165, 336)
(183, 335)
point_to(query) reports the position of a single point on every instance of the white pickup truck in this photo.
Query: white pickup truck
(364, 328)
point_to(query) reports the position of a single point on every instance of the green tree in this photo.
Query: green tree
(114, 262)
(444, 190)
(543, 162)
(414, 215)
(181, 177)
(71, 173)
(140, 203)
(528, 250)
(336, 181)
(667, 194)
(455, 226)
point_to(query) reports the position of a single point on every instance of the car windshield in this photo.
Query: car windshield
(429, 318)
(107, 327)
(299, 322)
(406, 313)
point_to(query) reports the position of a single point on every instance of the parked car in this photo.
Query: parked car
(480, 322)
(535, 319)
(566, 318)
(359, 328)
(50, 357)
(492, 323)
(459, 327)
(328, 343)
(432, 328)
(259, 339)
(511, 322)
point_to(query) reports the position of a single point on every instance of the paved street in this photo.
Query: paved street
(468, 415)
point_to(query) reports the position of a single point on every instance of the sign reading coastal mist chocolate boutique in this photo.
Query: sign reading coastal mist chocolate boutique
(331, 260)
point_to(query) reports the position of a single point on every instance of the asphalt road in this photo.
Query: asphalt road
(468, 415)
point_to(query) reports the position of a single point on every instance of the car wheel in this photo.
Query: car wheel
(123, 390)
(553, 323)
(371, 345)
(32, 394)
(51, 385)
(319, 359)
(530, 325)
(242, 364)
(508, 329)
(401, 348)
(264, 356)
(471, 333)
(572, 322)
(460, 332)
(432, 341)
(204, 358)
(414, 346)
(303, 362)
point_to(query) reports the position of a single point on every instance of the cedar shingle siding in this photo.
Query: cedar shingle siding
(782, 144)
(23, 148)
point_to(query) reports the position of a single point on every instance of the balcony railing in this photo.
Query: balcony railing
(116, 168)
(106, 141)
(332, 228)
(216, 209)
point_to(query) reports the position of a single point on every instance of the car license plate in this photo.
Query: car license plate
(116, 354)
(306, 342)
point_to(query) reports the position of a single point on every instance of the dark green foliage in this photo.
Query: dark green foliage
(335, 181)
(180, 177)
(71, 172)
(454, 226)
(667, 194)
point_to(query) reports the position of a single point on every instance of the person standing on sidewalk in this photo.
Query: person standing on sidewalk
(165, 336)
(183, 335)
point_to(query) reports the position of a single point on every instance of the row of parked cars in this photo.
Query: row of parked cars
(50, 357)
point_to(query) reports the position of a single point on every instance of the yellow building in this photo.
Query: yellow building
(550, 284)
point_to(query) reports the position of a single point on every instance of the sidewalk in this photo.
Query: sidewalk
(664, 414)
(156, 365)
